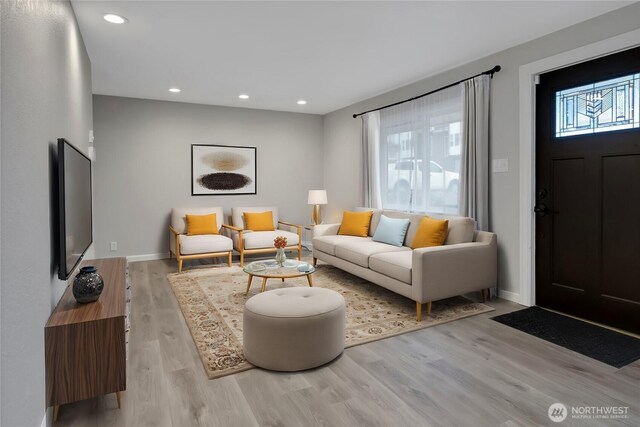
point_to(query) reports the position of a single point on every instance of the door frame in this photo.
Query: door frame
(528, 78)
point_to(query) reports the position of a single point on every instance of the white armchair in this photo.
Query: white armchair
(185, 247)
(255, 242)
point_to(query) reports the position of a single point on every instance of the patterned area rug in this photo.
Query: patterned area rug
(212, 302)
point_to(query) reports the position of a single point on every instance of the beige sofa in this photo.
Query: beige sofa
(467, 262)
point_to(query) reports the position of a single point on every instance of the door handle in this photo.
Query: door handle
(543, 210)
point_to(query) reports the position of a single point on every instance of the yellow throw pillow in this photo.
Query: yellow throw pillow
(258, 221)
(355, 223)
(202, 224)
(431, 232)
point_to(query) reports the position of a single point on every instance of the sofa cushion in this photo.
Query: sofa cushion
(327, 244)
(179, 217)
(461, 230)
(355, 223)
(431, 232)
(264, 239)
(202, 224)
(396, 265)
(204, 243)
(237, 215)
(358, 252)
(375, 218)
(391, 230)
(258, 221)
(414, 222)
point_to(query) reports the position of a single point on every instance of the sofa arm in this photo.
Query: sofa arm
(296, 228)
(287, 226)
(325, 230)
(174, 241)
(445, 271)
(230, 231)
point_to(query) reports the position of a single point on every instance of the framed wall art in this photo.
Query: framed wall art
(222, 170)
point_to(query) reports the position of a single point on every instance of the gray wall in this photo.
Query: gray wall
(342, 152)
(46, 94)
(143, 165)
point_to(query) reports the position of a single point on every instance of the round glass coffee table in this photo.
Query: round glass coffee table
(269, 269)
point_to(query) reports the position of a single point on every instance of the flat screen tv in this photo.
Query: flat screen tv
(74, 203)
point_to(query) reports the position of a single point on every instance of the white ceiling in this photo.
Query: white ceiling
(331, 54)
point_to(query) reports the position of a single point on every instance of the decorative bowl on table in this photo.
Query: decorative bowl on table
(257, 266)
(304, 268)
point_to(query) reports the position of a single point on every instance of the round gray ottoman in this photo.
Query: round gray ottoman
(292, 329)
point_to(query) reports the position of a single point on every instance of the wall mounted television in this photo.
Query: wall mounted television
(75, 207)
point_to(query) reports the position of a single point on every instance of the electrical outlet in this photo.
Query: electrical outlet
(114, 246)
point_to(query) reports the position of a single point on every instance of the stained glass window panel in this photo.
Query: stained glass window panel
(599, 107)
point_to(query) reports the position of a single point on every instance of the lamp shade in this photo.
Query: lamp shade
(317, 197)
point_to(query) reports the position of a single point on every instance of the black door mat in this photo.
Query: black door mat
(605, 345)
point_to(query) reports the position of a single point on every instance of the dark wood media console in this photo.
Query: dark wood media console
(86, 344)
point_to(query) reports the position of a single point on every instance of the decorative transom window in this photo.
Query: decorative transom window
(599, 107)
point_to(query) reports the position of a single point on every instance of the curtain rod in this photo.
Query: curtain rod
(490, 72)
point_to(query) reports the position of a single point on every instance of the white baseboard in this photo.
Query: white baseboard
(509, 296)
(147, 257)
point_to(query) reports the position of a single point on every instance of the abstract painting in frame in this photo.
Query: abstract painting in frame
(222, 170)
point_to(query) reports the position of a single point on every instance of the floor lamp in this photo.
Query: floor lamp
(317, 198)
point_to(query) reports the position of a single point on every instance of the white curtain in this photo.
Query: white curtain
(371, 159)
(474, 180)
(412, 154)
(431, 154)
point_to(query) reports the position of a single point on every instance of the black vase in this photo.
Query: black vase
(87, 285)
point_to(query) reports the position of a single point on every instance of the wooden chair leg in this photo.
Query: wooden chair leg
(56, 409)
(485, 293)
(230, 258)
(241, 259)
(299, 253)
(179, 265)
(429, 308)
(118, 398)
(315, 261)
(418, 311)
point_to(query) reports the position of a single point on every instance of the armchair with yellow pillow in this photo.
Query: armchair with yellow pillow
(255, 228)
(195, 233)
(421, 257)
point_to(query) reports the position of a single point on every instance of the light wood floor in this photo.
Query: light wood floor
(472, 372)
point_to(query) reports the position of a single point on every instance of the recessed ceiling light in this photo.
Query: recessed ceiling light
(302, 102)
(174, 90)
(243, 96)
(115, 19)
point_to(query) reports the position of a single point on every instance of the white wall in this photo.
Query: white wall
(342, 152)
(143, 165)
(46, 94)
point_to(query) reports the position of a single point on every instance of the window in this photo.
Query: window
(604, 106)
(414, 140)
